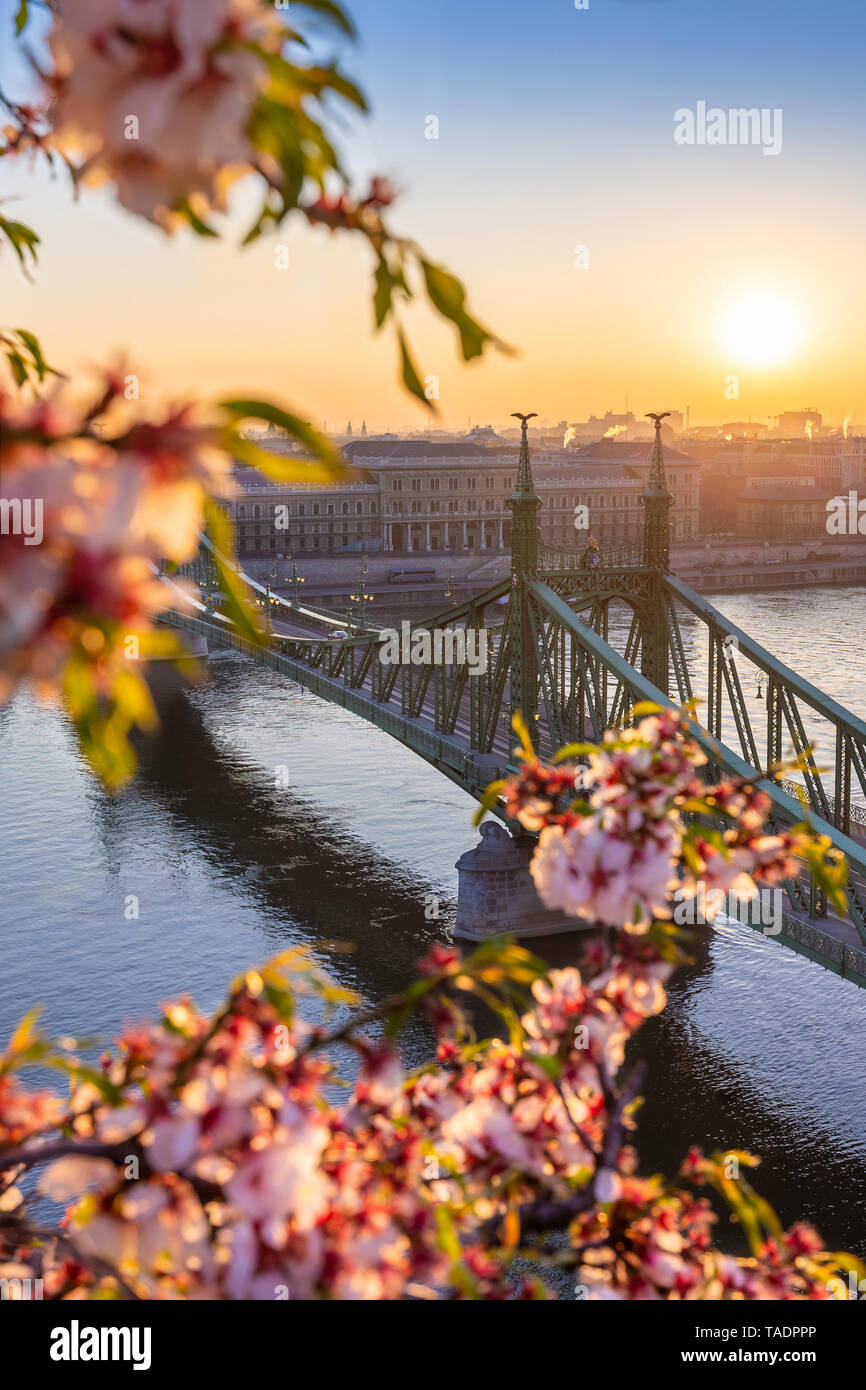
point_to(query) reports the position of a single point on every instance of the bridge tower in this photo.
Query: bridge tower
(656, 501)
(524, 503)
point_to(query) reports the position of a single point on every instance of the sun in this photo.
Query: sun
(761, 330)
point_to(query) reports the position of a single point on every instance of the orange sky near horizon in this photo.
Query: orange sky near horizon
(643, 323)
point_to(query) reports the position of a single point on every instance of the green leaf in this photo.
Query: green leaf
(26, 1032)
(447, 1240)
(552, 1064)
(201, 228)
(22, 239)
(448, 296)
(282, 470)
(411, 379)
(21, 17)
(335, 13)
(73, 1068)
(488, 801)
(40, 365)
(273, 129)
(518, 724)
(16, 362)
(317, 444)
(236, 603)
(644, 707)
(386, 281)
(318, 80)
(102, 722)
(574, 750)
(133, 696)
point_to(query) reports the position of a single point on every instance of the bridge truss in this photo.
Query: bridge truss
(573, 648)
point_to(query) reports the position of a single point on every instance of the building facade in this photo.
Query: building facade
(427, 497)
(774, 512)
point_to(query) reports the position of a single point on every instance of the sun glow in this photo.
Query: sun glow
(761, 331)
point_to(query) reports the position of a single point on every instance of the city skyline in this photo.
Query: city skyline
(825, 426)
(604, 251)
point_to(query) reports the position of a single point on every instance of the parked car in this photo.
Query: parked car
(407, 576)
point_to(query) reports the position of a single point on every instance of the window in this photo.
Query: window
(345, 509)
(416, 484)
(470, 483)
(330, 509)
(315, 509)
(257, 511)
(359, 508)
(242, 511)
(452, 484)
(397, 484)
(434, 484)
(373, 509)
(434, 506)
(302, 511)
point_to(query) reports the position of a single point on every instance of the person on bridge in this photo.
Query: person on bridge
(590, 559)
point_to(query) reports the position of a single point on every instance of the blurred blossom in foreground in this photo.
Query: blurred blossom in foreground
(116, 500)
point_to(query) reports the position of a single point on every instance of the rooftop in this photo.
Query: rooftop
(625, 450)
(774, 493)
(425, 451)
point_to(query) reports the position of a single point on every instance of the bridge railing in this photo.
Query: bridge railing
(555, 557)
(856, 814)
(576, 691)
(788, 696)
(450, 755)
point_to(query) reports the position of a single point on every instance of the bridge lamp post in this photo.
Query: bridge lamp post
(266, 605)
(362, 598)
(296, 580)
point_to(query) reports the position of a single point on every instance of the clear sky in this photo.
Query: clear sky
(556, 130)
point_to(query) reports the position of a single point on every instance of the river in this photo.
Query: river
(758, 1048)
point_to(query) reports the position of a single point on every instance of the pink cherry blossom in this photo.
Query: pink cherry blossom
(156, 95)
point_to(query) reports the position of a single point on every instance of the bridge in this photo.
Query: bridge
(557, 651)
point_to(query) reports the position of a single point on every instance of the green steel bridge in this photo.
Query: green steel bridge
(552, 655)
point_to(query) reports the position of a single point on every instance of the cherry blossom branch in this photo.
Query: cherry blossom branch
(95, 1263)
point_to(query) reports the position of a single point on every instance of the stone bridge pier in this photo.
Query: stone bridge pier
(496, 894)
